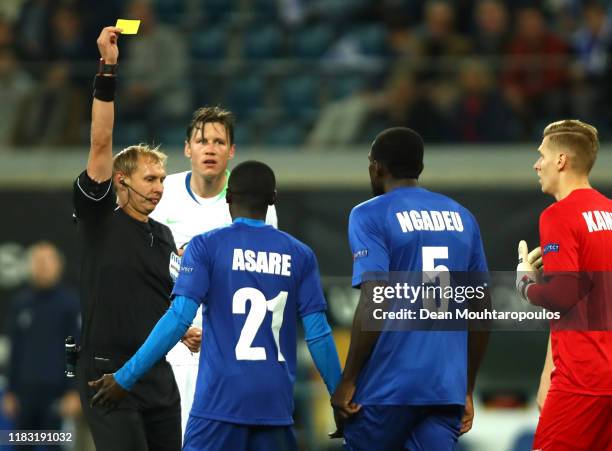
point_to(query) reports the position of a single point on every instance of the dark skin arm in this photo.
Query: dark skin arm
(109, 392)
(362, 343)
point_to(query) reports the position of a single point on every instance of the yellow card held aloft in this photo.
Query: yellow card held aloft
(128, 26)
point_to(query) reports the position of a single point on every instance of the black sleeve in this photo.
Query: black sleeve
(92, 200)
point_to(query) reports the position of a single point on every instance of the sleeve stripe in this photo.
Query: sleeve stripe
(93, 198)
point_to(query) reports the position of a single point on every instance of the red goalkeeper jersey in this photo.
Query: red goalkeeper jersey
(576, 236)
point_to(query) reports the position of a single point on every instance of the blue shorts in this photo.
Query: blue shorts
(211, 435)
(396, 428)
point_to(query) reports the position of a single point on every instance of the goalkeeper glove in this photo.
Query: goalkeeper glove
(528, 269)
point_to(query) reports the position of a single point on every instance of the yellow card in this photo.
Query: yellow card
(128, 26)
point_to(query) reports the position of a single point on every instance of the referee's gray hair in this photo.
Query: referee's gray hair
(126, 161)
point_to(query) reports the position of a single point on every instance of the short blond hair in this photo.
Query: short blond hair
(578, 137)
(126, 161)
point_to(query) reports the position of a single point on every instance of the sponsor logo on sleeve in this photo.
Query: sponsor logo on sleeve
(186, 269)
(552, 247)
(359, 254)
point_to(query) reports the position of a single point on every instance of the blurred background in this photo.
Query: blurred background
(311, 83)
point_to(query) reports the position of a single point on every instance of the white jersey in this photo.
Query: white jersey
(188, 215)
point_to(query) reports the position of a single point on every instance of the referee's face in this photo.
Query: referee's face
(209, 150)
(147, 186)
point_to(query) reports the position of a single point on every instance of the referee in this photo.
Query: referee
(125, 281)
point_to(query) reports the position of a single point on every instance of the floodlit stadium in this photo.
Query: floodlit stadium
(311, 83)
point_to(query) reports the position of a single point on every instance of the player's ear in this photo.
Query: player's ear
(228, 196)
(232, 152)
(187, 149)
(561, 161)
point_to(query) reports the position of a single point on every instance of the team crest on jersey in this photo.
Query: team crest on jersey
(359, 254)
(552, 247)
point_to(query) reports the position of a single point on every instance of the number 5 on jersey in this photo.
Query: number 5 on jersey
(259, 307)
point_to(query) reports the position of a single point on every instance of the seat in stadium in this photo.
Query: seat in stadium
(264, 9)
(171, 136)
(170, 11)
(246, 94)
(219, 10)
(300, 95)
(245, 133)
(210, 42)
(338, 10)
(285, 134)
(313, 41)
(263, 41)
(344, 84)
(127, 133)
(372, 39)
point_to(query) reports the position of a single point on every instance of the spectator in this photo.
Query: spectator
(10, 9)
(340, 122)
(591, 44)
(56, 110)
(405, 103)
(535, 73)
(481, 114)
(438, 43)
(40, 319)
(155, 71)
(491, 33)
(68, 46)
(33, 32)
(7, 38)
(16, 86)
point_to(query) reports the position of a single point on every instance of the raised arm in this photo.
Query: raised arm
(100, 162)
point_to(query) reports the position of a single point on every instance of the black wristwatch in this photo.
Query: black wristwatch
(107, 69)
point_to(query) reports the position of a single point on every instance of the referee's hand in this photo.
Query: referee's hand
(108, 391)
(107, 44)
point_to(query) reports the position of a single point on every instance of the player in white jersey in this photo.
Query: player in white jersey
(194, 203)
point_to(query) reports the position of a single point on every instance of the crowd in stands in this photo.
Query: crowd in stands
(317, 72)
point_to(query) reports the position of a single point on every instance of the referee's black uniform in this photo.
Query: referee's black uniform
(125, 289)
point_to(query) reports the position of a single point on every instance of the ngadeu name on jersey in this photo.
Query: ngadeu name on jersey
(434, 221)
(262, 262)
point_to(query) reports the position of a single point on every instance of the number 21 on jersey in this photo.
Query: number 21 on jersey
(257, 313)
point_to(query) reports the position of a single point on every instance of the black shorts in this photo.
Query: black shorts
(147, 419)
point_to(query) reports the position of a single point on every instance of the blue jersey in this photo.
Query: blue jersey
(253, 282)
(413, 229)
